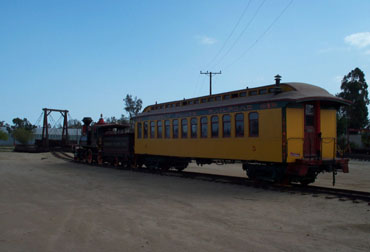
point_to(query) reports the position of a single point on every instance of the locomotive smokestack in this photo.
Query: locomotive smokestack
(86, 121)
(277, 80)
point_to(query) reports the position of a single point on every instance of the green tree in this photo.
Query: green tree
(342, 123)
(354, 89)
(21, 130)
(21, 123)
(132, 105)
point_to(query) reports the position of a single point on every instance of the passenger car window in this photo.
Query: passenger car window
(263, 91)
(194, 127)
(145, 129)
(239, 125)
(167, 129)
(253, 124)
(184, 128)
(152, 129)
(226, 125)
(214, 126)
(159, 129)
(203, 126)
(175, 128)
(139, 130)
(309, 115)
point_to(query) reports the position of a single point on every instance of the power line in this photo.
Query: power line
(241, 34)
(199, 90)
(196, 86)
(262, 34)
(231, 33)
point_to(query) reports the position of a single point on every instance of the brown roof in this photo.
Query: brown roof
(294, 92)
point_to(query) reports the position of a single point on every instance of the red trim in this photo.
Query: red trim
(301, 166)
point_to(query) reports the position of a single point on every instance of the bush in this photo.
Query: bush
(365, 138)
(342, 143)
(3, 136)
(22, 135)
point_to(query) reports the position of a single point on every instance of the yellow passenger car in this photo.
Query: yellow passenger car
(280, 131)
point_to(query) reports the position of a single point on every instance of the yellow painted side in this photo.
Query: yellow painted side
(266, 147)
(328, 128)
(295, 133)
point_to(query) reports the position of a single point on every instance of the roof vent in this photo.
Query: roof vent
(277, 80)
(277, 88)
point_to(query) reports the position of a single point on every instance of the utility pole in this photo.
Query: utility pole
(210, 79)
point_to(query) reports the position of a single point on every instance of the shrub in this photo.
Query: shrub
(22, 135)
(365, 138)
(3, 136)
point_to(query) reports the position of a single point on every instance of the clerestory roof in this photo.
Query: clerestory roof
(292, 92)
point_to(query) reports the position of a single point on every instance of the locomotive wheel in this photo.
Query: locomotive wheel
(164, 166)
(89, 157)
(139, 164)
(251, 173)
(181, 167)
(100, 159)
(116, 162)
(307, 181)
(126, 163)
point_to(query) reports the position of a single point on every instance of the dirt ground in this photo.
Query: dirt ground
(48, 204)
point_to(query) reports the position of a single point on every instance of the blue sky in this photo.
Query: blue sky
(85, 56)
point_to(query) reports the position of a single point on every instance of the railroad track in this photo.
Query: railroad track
(359, 156)
(62, 155)
(315, 191)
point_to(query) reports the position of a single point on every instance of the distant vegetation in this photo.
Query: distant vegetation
(21, 130)
(354, 89)
(132, 105)
(113, 119)
(73, 124)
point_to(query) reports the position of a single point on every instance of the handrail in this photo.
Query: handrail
(323, 140)
(332, 139)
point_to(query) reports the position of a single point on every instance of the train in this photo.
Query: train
(282, 132)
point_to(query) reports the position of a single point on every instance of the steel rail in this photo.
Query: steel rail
(315, 191)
